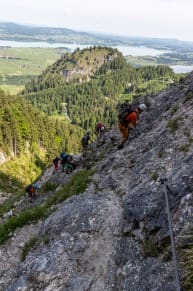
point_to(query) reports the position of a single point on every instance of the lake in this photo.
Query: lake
(126, 50)
(181, 69)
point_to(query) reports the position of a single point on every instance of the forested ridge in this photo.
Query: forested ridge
(87, 85)
(22, 122)
(68, 98)
(29, 135)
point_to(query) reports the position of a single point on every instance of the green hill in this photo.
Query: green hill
(87, 84)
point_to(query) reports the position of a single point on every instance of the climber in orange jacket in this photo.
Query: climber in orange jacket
(129, 122)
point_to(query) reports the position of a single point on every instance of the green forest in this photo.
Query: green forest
(70, 96)
(32, 138)
(86, 86)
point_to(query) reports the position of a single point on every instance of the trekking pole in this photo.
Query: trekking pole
(177, 279)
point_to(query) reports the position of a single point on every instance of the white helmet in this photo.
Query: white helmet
(142, 107)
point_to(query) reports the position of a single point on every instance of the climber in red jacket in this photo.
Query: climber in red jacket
(129, 122)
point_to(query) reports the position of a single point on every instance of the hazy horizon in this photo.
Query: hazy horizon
(166, 19)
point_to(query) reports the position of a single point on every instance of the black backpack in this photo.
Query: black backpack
(124, 111)
(27, 189)
(56, 160)
(65, 158)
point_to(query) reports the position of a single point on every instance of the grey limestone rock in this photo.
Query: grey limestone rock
(115, 235)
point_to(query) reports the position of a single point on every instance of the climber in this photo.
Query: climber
(36, 187)
(100, 128)
(67, 163)
(123, 105)
(56, 163)
(128, 120)
(63, 157)
(30, 189)
(85, 143)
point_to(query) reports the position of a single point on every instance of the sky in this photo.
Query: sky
(146, 18)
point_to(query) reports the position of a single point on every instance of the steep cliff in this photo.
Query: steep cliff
(115, 235)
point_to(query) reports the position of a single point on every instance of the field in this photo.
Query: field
(18, 65)
(12, 89)
(185, 58)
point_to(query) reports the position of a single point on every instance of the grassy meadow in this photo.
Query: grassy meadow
(11, 89)
(18, 65)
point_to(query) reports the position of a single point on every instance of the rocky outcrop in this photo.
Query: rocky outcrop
(4, 196)
(2, 158)
(115, 235)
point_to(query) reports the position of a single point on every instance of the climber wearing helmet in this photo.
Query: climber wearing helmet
(129, 121)
(100, 129)
(142, 107)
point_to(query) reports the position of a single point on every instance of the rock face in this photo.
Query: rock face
(115, 235)
(2, 158)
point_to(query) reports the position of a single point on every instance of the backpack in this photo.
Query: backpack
(124, 111)
(64, 158)
(56, 160)
(28, 188)
(62, 155)
(99, 125)
(36, 186)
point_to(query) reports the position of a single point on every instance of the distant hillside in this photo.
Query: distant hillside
(29, 139)
(79, 66)
(19, 32)
(87, 84)
(177, 52)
